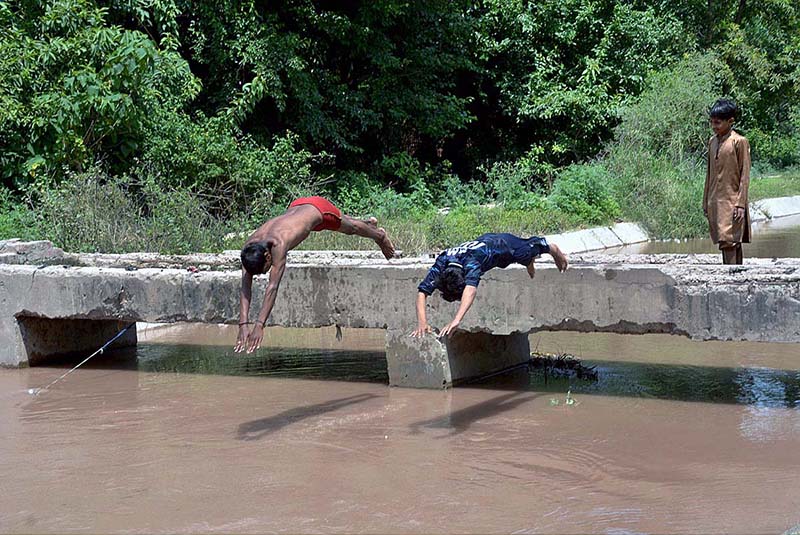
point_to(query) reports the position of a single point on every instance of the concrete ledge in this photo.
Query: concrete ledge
(596, 239)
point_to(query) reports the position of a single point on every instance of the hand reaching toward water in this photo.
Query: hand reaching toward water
(241, 339)
(255, 337)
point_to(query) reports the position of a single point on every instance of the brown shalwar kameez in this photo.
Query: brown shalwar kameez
(727, 182)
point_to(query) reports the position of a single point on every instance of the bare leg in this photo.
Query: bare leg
(368, 229)
(560, 258)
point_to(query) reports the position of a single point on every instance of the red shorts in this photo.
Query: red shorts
(331, 216)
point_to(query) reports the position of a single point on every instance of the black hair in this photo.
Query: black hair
(254, 257)
(724, 109)
(452, 283)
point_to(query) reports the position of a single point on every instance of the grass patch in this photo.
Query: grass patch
(784, 184)
(432, 231)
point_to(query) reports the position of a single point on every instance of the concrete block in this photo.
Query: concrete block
(30, 251)
(473, 355)
(416, 362)
(429, 362)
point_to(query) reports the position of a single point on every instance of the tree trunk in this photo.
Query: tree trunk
(740, 11)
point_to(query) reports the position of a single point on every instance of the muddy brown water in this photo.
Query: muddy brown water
(183, 435)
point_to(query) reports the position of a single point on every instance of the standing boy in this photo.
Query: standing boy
(727, 182)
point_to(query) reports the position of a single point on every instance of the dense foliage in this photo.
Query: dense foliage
(241, 105)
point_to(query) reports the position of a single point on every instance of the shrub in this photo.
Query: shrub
(663, 195)
(211, 155)
(583, 191)
(514, 184)
(17, 219)
(671, 116)
(92, 212)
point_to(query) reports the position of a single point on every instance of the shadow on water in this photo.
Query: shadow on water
(257, 429)
(461, 420)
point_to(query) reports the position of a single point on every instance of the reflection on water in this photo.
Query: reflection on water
(351, 365)
(749, 386)
(761, 386)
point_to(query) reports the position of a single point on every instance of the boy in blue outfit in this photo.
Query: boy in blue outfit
(458, 270)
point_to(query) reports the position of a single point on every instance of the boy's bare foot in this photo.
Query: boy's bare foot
(372, 221)
(385, 244)
(531, 268)
(559, 257)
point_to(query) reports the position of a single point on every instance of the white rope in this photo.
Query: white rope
(38, 390)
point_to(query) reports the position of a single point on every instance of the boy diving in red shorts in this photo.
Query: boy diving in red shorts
(266, 250)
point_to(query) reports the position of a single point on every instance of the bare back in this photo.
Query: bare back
(290, 228)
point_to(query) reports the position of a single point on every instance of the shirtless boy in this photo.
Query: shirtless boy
(266, 249)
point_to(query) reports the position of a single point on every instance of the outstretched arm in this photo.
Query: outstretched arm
(244, 310)
(275, 276)
(466, 301)
(422, 320)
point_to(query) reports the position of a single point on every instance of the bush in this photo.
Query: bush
(211, 155)
(665, 196)
(671, 116)
(778, 150)
(656, 165)
(583, 191)
(91, 212)
(514, 184)
(17, 219)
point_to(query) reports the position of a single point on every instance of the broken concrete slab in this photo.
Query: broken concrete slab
(16, 251)
(606, 236)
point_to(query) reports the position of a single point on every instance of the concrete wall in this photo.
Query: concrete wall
(759, 301)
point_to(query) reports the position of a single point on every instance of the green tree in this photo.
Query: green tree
(74, 90)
